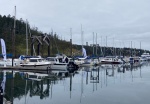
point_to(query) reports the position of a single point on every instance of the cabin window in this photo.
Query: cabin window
(51, 59)
(40, 60)
(131, 58)
(33, 60)
(32, 76)
(60, 60)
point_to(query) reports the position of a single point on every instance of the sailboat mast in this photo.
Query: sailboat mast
(96, 44)
(93, 43)
(71, 40)
(13, 37)
(81, 36)
(131, 49)
(140, 48)
(102, 47)
(26, 37)
(106, 41)
(15, 21)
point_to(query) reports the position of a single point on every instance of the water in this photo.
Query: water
(106, 84)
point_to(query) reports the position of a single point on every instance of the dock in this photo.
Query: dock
(30, 69)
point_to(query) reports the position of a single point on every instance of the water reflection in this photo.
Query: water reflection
(81, 83)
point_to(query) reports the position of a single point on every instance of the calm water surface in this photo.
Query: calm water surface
(105, 84)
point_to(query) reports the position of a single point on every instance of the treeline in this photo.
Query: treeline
(57, 45)
(6, 32)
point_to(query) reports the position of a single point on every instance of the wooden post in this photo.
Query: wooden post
(38, 49)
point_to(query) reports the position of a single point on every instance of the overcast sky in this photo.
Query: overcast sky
(121, 21)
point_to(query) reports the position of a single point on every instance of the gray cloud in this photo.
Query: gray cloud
(119, 20)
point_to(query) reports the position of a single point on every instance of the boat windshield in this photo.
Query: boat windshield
(51, 59)
(33, 60)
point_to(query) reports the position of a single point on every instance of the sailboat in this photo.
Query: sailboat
(84, 61)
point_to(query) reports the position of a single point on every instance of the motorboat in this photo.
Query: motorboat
(134, 59)
(62, 62)
(145, 56)
(111, 60)
(57, 64)
(36, 63)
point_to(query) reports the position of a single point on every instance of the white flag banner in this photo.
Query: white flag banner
(3, 48)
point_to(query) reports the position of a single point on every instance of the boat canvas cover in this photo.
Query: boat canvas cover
(84, 53)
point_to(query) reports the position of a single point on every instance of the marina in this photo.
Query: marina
(108, 83)
(74, 52)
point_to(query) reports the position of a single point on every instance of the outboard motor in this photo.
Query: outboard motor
(72, 66)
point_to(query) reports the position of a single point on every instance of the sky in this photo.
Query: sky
(117, 23)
